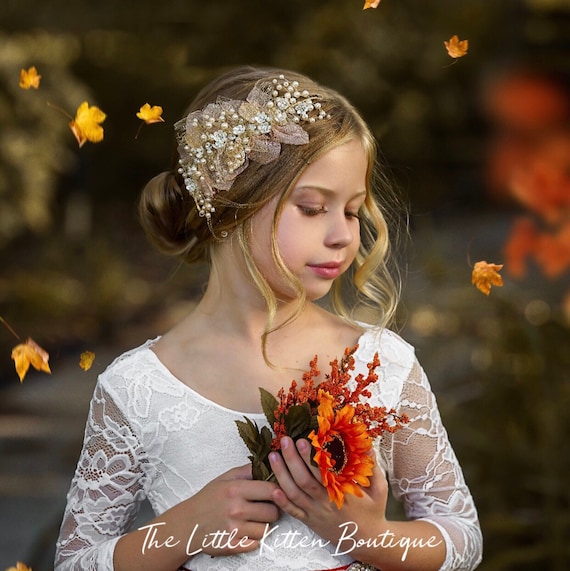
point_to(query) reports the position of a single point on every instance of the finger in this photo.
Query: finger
(255, 531)
(288, 495)
(300, 473)
(238, 473)
(261, 512)
(250, 490)
(287, 506)
(378, 488)
(305, 451)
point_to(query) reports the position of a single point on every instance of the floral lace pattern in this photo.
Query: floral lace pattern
(149, 435)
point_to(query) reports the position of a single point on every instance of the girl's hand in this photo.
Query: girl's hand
(302, 495)
(227, 516)
(231, 513)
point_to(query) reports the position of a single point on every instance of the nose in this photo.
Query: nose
(340, 234)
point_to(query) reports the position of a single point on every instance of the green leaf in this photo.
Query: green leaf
(298, 421)
(250, 434)
(260, 471)
(259, 444)
(267, 438)
(314, 424)
(269, 405)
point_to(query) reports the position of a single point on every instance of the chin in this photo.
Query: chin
(314, 294)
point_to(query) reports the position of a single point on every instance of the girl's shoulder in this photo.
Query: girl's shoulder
(397, 361)
(131, 356)
(391, 348)
(137, 366)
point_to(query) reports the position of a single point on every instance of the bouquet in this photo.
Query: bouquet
(332, 417)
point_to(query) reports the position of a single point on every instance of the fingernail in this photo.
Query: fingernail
(302, 445)
(285, 443)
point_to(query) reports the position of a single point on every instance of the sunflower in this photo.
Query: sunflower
(341, 450)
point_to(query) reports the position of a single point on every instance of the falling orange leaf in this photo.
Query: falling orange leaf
(486, 275)
(30, 353)
(86, 126)
(456, 48)
(19, 567)
(86, 360)
(371, 4)
(150, 114)
(30, 78)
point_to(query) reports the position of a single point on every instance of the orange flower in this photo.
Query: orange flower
(341, 450)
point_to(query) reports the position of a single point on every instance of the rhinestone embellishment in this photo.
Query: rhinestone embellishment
(216, 144)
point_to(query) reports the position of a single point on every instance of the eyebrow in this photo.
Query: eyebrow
(327, 191)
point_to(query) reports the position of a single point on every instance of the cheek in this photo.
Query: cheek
(352, 249)
(291, 234)
(288, 247)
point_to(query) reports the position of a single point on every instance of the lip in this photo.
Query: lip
(328, 270)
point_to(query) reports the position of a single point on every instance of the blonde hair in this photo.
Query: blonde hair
(170, 219)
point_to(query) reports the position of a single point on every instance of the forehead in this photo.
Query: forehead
(344, 166)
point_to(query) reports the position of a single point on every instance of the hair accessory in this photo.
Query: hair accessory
(216, 144)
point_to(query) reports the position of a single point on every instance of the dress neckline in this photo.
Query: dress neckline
(173, 378)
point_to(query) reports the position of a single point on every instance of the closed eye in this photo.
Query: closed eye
(312, 211)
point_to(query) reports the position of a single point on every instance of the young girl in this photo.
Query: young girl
(273, 188)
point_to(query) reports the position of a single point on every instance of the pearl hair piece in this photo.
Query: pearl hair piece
(217, 143)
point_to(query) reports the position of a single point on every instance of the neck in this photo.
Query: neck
(236, 307)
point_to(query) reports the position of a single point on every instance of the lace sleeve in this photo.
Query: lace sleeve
(105, 492)
(427, 477)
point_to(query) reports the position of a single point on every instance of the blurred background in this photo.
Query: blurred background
(479, 148)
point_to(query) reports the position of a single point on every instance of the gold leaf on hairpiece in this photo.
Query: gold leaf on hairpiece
(86, 126)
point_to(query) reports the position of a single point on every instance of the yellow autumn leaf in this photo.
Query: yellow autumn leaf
(150, 114)
(86, 126)
(19, 567)
(371, 4)
(86, 360)
(456, 48)
(29, 78)
(30, 353)
(486, 275)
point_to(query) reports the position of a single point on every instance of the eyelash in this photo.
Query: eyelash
(308, 211)
(322, 210)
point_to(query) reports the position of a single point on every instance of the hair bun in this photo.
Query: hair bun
(168, 217)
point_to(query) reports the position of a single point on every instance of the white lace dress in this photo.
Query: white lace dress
(150, 436)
